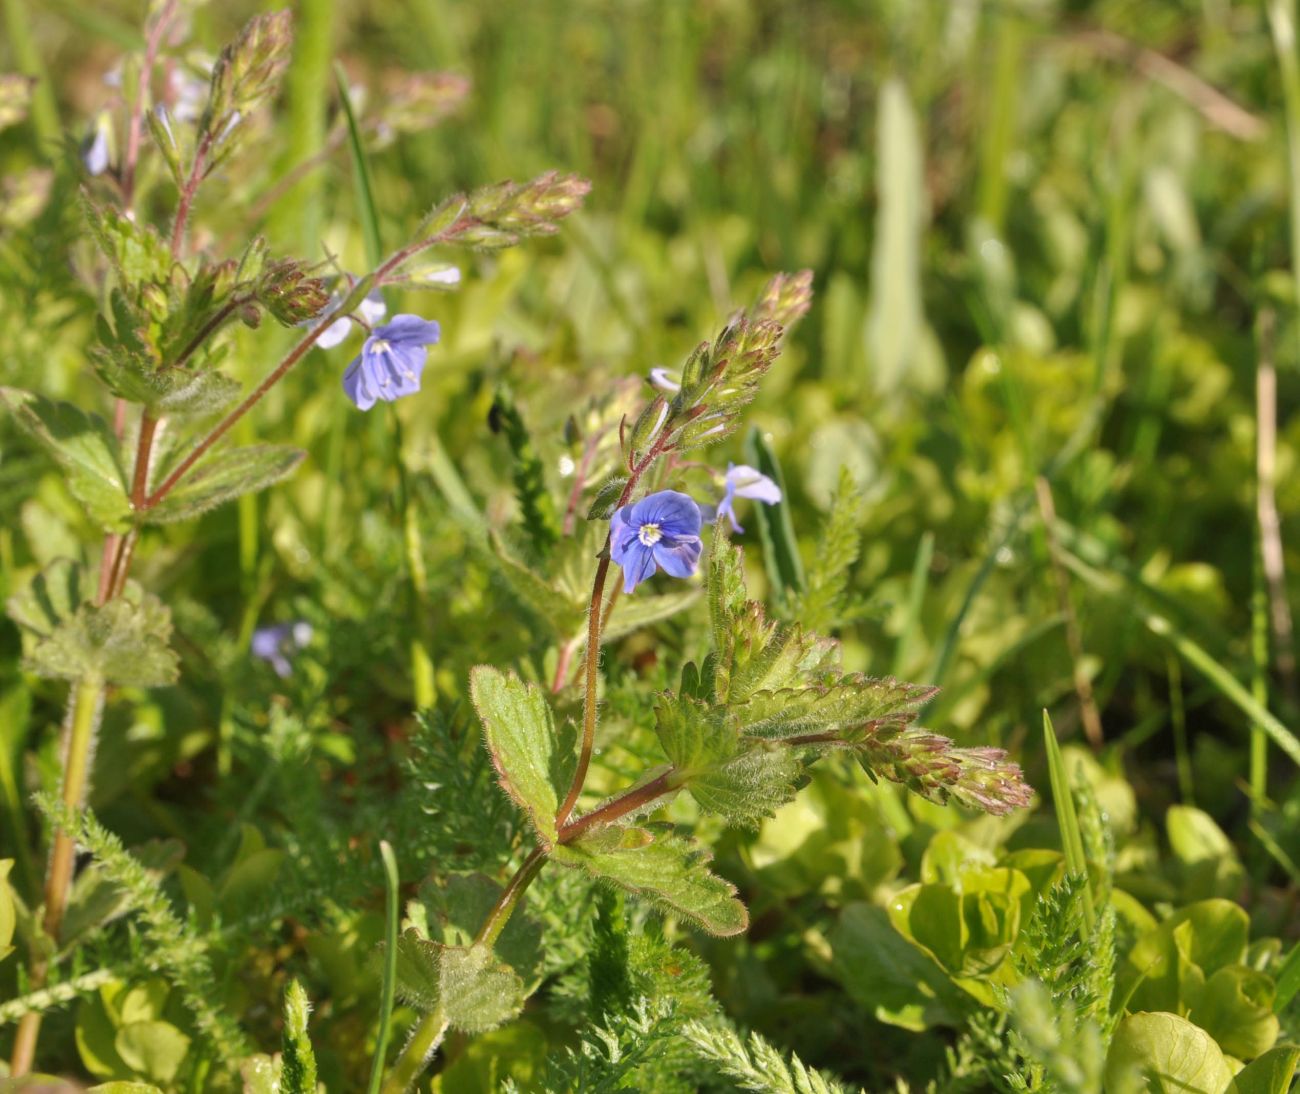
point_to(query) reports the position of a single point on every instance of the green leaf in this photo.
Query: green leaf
(749, 786)
(121, 1086)
(550, 604)
(1235, 1007)
(365, 201)
(634, 612)
(66, 636)
(85, 449)
(153, 1048)
(894, 979)
(1165, 1054)
(457, 908)
(1270, 1074)
(224, 476)
(850, 702)
(534, 765)
(664, 868)
(694, 735)
(138, 253)
(894, 316)
(6, 909)
(473, 989)
(1208, 862)
(1187, 948)
(775, 528)
(163, 392)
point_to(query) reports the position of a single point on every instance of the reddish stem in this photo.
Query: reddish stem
(143, 451)
(636, 798)
(594, 624)
(137, 109)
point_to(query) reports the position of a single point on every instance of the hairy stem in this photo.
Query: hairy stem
(595, 622)
(294, 356)
(143, 453)
(636, 798)
(156, 33)
(85, 704)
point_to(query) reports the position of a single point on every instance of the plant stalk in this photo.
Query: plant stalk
(85, 705)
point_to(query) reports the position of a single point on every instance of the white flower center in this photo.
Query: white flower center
(380, 345)
(649, 534)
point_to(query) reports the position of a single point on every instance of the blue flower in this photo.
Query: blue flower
(743, 481)
(660, 531)
(391, 361)
(274, 644)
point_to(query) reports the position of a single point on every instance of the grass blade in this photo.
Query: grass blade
(361, 174)
(391, 883)
(1066, 818)
(780, 550)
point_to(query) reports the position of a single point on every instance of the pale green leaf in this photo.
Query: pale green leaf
(6, 909)
(138, 253)
(533, 763)
(1207, 860)
(1164, 1054)
(153, 1048)
(224, 476)
(1270, 1074)
(666, 869)
(750, 786)
(694, 735)
(165, 392)
(83, 446)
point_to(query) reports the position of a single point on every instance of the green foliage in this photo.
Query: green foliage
(668, 870)
(84, 448)
(534, 762)
(756, 1065)
(298, 1066)
(226, 474)
(1163, 1052)
(821, 604)
(173, 950)
(468, 986)
(66, 635)
(541, 527)
(6, 909)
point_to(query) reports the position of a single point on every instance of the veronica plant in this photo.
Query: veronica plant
(738, 734)
(162, 455)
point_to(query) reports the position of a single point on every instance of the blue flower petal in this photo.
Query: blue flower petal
(680, 558)
(356, 387)
(410, 330)
(675, 513)
(638, 564)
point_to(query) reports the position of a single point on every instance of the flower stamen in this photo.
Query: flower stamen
(649, 534)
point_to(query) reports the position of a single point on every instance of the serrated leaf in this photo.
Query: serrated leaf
(138, 253)
(849, 702)
(67, 636)
(666, 869)
(83, 446)
(457, 908)
(222, 477)
(167, 392)
(533, 763)
(475, 991)
(749, 786)
(694, 735)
